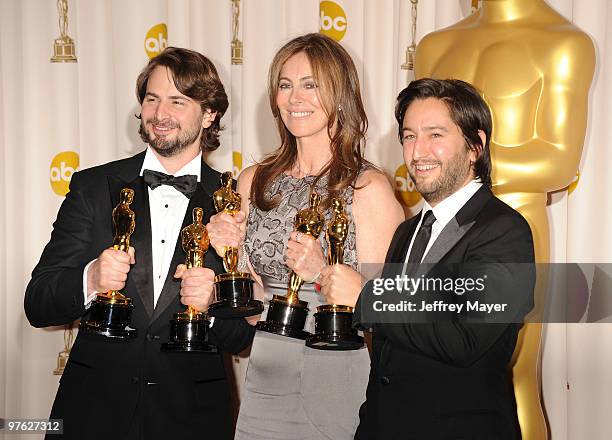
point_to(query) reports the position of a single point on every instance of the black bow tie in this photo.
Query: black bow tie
(185, 184)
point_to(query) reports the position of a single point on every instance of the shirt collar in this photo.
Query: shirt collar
(151, 162)
(446, 210)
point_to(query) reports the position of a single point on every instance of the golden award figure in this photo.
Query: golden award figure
(534, 69)
(63, 46)
(110, 312)
(233, 289)
(287, 314)
(189, 329)
(62, 356)
(333, 322)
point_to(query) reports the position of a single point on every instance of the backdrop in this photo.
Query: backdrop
(59, 117)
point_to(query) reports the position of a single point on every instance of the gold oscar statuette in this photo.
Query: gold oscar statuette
(333, 322)
(287, 314)
(236, 43)
(63, 46)
(189, 329)
(110, 312)
(233, 289)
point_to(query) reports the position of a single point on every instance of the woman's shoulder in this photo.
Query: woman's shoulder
(374, 192)
(372, 180)
(245, 179)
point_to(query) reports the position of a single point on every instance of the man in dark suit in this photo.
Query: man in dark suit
(128, 389)
(447, 378)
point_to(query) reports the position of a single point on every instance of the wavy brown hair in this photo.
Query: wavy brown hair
(337, 83)
(194, 76)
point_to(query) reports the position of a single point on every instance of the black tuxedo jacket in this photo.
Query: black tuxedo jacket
(128, 388)
(449, 380)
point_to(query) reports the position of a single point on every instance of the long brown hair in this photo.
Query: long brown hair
(337, 82)
(194, 76)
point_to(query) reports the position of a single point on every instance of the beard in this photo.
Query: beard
(453, 175)
(170, 147)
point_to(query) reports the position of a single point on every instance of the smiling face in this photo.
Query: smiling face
(435, 150)
(298, 100)
(171, 122)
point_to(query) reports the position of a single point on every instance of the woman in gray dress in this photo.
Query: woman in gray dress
(292, 391)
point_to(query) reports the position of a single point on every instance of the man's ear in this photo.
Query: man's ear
(209, 118)
(475, 153)
(483, 139)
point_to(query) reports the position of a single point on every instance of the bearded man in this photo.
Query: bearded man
(129, 389)
(447, 378)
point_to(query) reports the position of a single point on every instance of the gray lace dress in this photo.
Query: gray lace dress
(292, 391)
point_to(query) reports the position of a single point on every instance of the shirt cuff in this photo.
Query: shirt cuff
(88, 298)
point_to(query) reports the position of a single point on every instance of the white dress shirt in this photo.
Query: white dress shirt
(167, 208)
(444, 212)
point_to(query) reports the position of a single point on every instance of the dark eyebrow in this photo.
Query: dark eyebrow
(436, 127)
(175, 97)
(428, 128)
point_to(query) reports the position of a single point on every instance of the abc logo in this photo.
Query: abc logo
(237, 161)
(62, 168)
(332, 21)
(156, 40)
(406, 188)
(574, 184)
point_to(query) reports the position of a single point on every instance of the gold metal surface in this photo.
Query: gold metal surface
(334, 308)
(194, 240)
(308, 221)
(335, 234)
(410, 50)
(228, 201)
(124, 223)
(236, 43)
(62, 357)
(63, 46)
(232, 276)
(534, 69)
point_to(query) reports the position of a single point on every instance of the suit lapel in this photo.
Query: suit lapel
(141, 274)
(201, 198)
(458, 226)
(450, 235)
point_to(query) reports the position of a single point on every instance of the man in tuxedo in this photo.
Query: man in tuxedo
(128, 388)
(447, 378)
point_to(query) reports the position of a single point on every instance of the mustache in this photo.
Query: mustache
(414, 163)
(162, 123)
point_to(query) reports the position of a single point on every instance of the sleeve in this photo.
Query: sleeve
(54, 295)
(232, 335)
(465, 339)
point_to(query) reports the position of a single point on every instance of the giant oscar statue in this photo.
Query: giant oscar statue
(535, 69)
